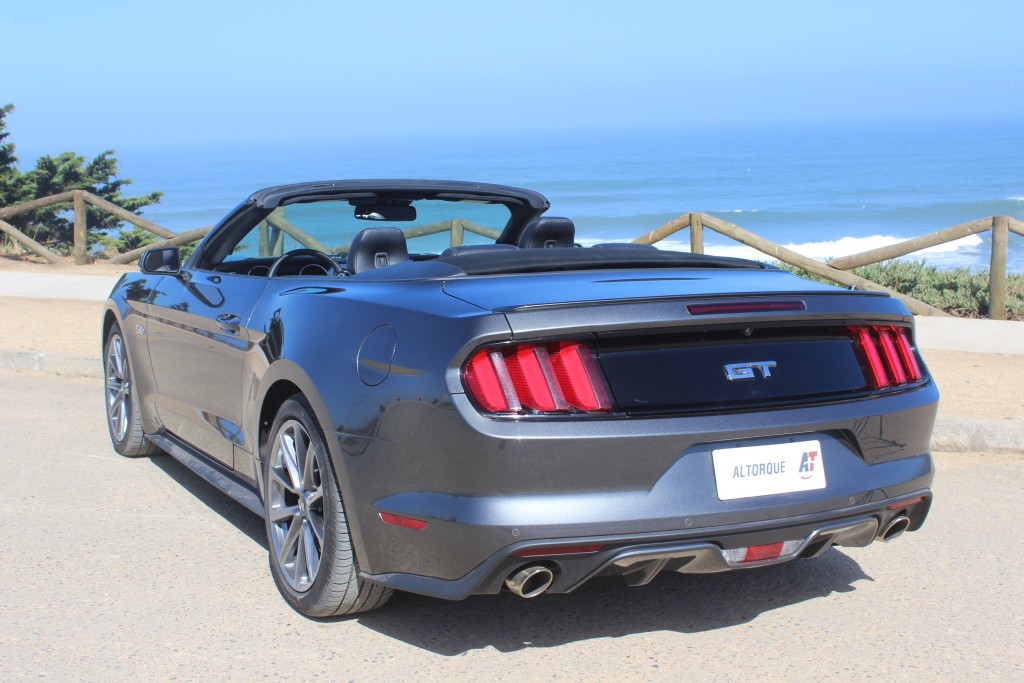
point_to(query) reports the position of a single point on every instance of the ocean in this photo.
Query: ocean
(823, 191)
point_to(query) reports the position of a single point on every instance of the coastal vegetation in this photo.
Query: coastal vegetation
(958, 291)
(53, 226)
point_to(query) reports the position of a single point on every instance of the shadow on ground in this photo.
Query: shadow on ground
(602, 608)
(243, 520)
(608, 608)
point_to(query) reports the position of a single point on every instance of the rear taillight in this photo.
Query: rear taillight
(558, 377)
(887, 355)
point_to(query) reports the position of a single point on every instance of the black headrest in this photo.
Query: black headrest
(476, 249)
(548, 232)
(375, 248)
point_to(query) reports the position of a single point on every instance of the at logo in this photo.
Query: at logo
(735, 371)
(807, 464)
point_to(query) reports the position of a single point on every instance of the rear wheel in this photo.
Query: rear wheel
(311, 556)
(123, 419)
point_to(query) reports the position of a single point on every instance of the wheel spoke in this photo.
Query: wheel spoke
(119, 357)
(316, 523)
(276, 478)
(312, 556)
(290, 540)
(300, 555)
(308, 461)
(287, 446)
(280, 514)
(113, 384)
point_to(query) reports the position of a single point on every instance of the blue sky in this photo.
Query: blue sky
(90, 76)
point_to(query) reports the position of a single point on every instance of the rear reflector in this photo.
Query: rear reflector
(558, 550)
(887, 355)
(559, 377)
(404, 522)
(906, 503)
(745, 307)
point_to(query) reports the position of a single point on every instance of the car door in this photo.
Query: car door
(198, 342)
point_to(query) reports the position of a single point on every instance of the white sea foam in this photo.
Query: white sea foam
(821, 251)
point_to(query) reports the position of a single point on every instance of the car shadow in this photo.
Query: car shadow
(239, 517)
(608, 608)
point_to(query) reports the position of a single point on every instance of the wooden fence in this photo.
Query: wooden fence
(836, 269)
(273, 229)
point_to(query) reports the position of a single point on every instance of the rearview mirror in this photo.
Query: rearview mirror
(163, 261)
(382, 212)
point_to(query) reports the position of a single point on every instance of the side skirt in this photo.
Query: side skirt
(211, 471)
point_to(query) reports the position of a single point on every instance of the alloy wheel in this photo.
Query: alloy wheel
(295, 505)
(119, 387)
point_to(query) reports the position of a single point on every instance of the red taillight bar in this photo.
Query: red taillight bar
(558, 377)
(887, 354)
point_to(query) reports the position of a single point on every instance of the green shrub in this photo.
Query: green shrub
(956, 290)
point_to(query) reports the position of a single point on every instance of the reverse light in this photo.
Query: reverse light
(557, 377)
(887, 355)
(761, 553)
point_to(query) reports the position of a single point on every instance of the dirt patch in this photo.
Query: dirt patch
(55, 325)
(982, 385)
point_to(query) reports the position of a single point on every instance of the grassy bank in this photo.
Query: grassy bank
(956, 290)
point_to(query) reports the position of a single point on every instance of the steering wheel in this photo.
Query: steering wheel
(317, 255)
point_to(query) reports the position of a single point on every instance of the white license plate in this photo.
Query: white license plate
(767, 470)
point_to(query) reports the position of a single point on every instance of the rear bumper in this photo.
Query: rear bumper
(638, 558)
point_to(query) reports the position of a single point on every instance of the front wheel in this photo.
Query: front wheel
(123, 419)
(311, 556)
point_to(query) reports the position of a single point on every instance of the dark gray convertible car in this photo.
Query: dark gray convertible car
(429, 386)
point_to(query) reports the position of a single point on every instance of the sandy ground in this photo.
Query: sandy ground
(989, 386)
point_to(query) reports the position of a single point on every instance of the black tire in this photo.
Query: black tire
(334, 587)
(124, 422)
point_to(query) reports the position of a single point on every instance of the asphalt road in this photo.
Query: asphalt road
(116, 569)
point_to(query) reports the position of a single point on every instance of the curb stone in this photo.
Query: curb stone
(951, 434)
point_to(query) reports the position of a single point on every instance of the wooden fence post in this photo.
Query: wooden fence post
(696, 233)
(997, 269)
(80, 249)
(457, 236)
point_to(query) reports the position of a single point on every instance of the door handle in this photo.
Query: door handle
(229, 322)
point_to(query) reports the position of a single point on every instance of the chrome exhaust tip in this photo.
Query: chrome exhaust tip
(531, 581)
(894, 529)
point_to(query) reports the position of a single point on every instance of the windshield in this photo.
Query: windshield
(330, 225)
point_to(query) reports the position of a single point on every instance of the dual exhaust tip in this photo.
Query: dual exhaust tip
(530, 581)
(894, 529)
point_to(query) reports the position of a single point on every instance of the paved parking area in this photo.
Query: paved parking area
(120, 569)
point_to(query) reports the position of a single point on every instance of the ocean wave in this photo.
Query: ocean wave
(819, 251)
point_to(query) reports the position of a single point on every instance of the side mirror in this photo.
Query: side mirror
(163, 261)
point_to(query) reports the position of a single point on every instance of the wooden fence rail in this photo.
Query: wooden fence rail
(836, 269)
(276, 226)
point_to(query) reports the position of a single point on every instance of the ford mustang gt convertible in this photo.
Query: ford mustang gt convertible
(430, 386)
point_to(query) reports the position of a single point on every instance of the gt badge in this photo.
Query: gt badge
(735, 371)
